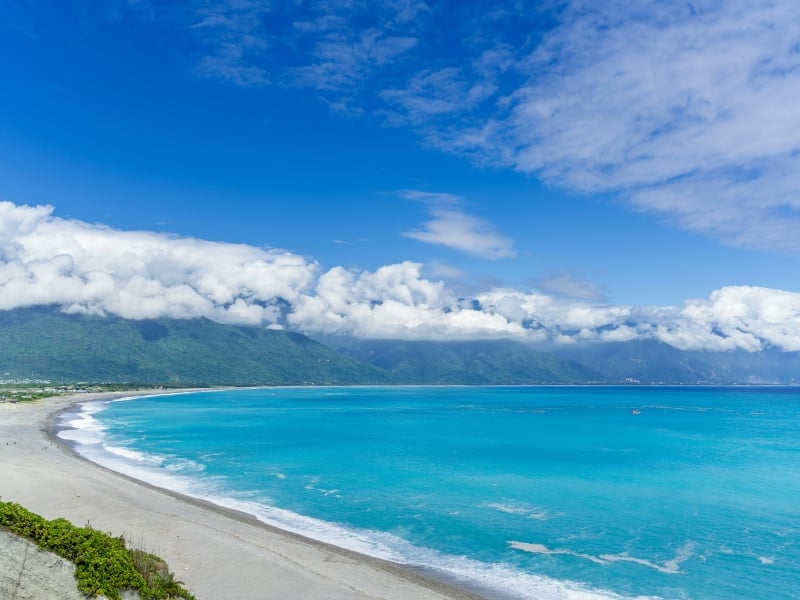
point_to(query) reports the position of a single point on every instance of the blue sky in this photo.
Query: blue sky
(627, 159)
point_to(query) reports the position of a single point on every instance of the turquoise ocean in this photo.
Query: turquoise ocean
(519, 492)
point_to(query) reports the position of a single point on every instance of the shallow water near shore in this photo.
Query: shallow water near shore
(529, 492)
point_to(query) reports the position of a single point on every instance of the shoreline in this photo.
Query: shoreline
(217, 551)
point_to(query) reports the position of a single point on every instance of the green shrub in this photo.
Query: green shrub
(21, 521)
(103, 564)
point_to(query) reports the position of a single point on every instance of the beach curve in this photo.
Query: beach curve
(217, 552)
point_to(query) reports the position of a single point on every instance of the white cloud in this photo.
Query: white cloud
(464, 232)
(81, 267)
(233, 35)
(393, 302)
(431, 198)
(137, 274)
(563, 284)
(452, 227)
(332, 47)
(737, 317)
(689, 111)
(685, 110)
(444, 271)
(434, 93)
(342, 62)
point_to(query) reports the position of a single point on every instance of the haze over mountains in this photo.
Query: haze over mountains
(44, 343)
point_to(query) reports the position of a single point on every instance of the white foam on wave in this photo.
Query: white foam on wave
(701, 409)
(521, 509)
(669, 567)
(80, 426)
(496, 577)
(184, 465)
(80, 436)
(134, 455)
(88, 436)
(542, 549)
(312, 486)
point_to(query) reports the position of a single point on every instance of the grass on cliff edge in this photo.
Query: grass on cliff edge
(103, 564)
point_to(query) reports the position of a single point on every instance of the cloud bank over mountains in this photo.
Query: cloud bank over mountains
(91, 268)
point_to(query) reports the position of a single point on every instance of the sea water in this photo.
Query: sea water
(520, 492)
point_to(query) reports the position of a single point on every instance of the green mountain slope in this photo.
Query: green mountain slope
(487, 362)
(42, 343)
(651, 361)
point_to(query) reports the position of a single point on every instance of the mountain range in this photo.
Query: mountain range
(44, 343)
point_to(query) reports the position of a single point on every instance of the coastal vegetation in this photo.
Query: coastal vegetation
(104, 565)
(27, 391)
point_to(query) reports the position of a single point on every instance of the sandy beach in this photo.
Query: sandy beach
(217, 553)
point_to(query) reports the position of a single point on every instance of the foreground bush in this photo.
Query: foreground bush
(103, 564)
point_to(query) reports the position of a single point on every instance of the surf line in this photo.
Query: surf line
(669, 567)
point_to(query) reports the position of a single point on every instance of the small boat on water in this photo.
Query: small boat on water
(636, 412)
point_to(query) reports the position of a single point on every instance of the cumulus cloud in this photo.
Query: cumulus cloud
(138, 274)
(394, 301)
(743, 317)
(89, 268)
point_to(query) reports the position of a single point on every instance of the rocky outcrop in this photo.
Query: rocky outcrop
(29, 573)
